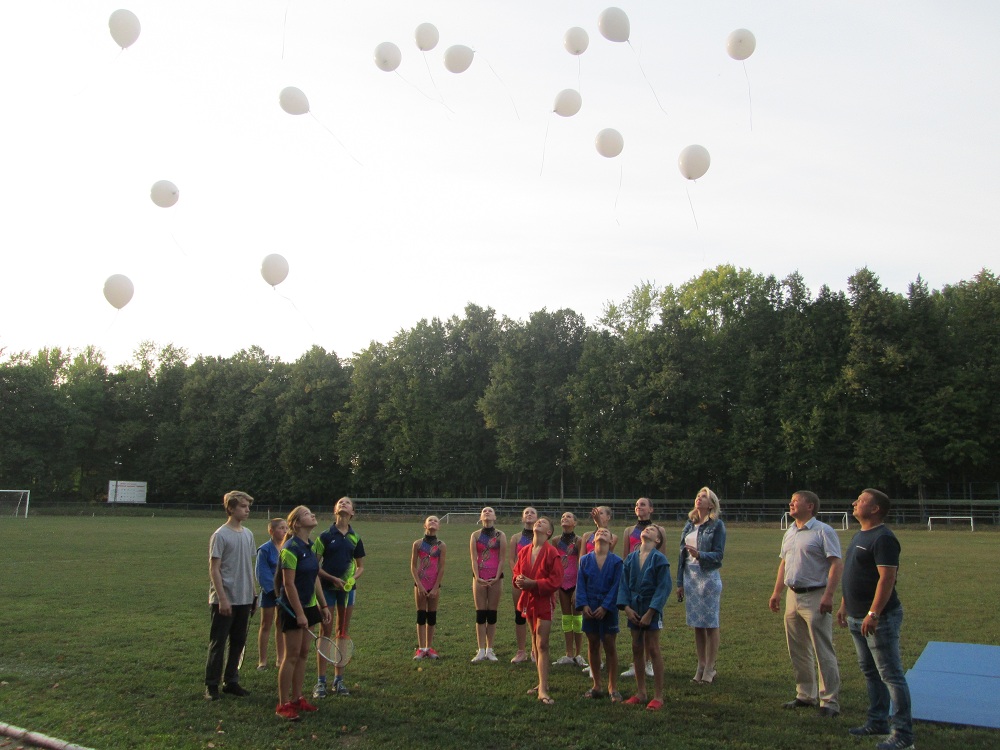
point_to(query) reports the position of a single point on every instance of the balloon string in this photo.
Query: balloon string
(424, 93)
(294, 307)
(179, 246)
(749, 97)
(639, 63)
(518, 116)
(284, 28)
(621, 178)
(336, 139)
(691, 203)
(545, 144)
(434, 84)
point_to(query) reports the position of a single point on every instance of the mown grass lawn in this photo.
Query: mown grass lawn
(104, 633)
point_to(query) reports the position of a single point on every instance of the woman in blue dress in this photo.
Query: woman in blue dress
(699, 585)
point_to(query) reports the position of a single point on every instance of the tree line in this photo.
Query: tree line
(733, 379)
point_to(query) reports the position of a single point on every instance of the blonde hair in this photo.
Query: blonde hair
(294, 520)
(716, 508)
(232, 498)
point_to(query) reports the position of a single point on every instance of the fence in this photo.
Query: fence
(983, 513)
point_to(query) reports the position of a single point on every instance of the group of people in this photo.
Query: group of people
(591, 584)
(810, 568)
(300, 579)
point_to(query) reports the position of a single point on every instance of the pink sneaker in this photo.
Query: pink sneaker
(431, 654)
(420, 653)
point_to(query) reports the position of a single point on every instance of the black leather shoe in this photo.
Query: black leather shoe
(798, 703)
(829, 713)
(212, 693)
(235, 689)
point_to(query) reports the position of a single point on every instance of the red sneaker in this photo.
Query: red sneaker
(303, 705)
(431, 654)
(287, 711)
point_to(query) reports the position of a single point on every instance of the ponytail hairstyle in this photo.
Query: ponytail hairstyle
(294, 520)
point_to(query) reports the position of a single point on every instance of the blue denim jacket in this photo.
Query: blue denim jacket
(711, 545)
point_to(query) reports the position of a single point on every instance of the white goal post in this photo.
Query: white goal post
(15, 502)
(461, 517)
(837, 515)
(931, 519)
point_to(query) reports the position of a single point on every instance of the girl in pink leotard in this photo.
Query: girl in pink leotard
(427, 568)
(487, 549)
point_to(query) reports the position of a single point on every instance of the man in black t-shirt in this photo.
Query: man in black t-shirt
(872, 611)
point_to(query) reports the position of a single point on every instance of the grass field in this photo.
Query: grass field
(105, 629)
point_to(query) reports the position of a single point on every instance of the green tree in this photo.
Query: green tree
(527, 400)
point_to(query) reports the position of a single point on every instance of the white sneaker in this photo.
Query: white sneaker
(649, 669)
(630, 672)
(579, 661)
(480, 656)
(562, 661)
(490, 655)
(589, 672)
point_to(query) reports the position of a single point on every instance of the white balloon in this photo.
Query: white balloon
(741, 44)
(293, 101)
(388, 57)
(164, 193)
(694, 161)
(609, 143)
(576, 41)
(274, 269)
(458, 58)
(426, 37)
(124, 25)
(568, 102)
(613, 24)
(118, 290)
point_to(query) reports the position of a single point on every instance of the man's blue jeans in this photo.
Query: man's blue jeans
(882, 666)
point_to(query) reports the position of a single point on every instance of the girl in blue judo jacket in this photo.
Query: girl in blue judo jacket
(642, 594)
(597, 582)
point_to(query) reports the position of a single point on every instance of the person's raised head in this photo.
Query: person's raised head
(545, 525)
(344, 507)
(301, 519)
(879, 501)
(707, 500)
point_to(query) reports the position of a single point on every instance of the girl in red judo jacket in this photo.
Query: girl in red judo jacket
(537, 574)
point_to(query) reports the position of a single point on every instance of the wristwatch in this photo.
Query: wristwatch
(873, 615)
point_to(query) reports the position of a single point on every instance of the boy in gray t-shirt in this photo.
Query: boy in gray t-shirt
(230, 595)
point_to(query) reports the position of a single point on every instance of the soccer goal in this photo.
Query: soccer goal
(835, 515)
(949, 519)
(467, 517)
(15, 502)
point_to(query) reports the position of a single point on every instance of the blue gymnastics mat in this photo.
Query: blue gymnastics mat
(957, 683)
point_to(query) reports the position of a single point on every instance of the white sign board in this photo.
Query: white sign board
(126, 492)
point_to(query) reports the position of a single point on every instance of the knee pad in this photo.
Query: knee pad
(432, 618)
(491, 616)
(520, 619)
(577, 623)
(480, 617)
(567, 623)
(421, 617)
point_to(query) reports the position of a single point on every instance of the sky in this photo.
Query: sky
(858, 134)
